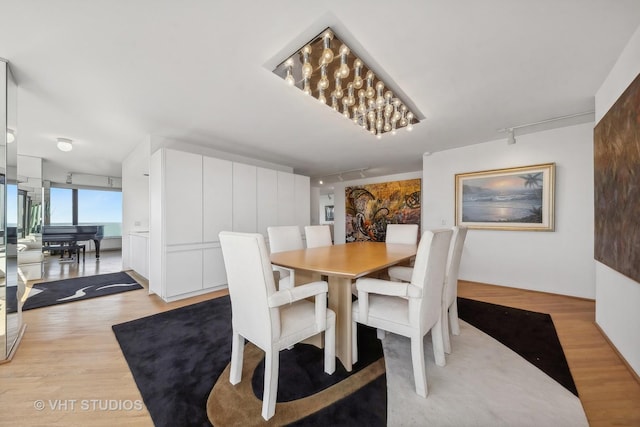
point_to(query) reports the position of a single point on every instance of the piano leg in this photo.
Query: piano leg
(97, 242)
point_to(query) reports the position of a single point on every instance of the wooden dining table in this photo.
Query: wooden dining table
(342, 264)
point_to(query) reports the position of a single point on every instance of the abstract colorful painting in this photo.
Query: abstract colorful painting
(369, 208)
(617, 184)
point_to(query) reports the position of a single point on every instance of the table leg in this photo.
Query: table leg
(340, 303)
(303, 277)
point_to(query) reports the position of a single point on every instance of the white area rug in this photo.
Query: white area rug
(483, 384)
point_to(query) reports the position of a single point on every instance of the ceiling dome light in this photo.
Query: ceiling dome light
(65, 144)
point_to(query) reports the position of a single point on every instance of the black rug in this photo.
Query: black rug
(177, 356)
(77, 289)
(530, 334)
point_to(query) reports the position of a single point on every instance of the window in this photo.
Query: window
(87, 207)
(61, 206)
(98, 207)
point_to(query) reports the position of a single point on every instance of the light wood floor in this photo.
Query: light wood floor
(609, 393)
(70, 356)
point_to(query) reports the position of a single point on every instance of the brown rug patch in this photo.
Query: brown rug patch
(230, 405)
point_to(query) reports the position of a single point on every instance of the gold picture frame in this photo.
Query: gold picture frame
(518, 198)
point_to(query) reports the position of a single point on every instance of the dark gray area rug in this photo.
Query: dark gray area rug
(530, 334)
(176, 357)
(77, 289)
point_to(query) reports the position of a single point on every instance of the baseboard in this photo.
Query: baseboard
(193, 294)
(615, 349)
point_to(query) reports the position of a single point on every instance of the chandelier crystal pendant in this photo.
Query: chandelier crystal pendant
(327, 69)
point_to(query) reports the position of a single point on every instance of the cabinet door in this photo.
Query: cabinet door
(244, 198)
(217, 197)
(183, 197)
(286, 205)
(267, 199)
(214, 273)
(302, 200)
(139, 255)
(183, 272)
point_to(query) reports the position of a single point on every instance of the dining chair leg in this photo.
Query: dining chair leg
(417, 359)
(271, 367)
(237, 353)
(446, 339)
(453, 318)
(438, 344)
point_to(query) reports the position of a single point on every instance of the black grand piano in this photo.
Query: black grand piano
(70, 234)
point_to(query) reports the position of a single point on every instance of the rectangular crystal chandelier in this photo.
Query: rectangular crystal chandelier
(327, 69)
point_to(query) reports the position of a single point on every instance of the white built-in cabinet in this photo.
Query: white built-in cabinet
(139, 253)
(266, 208)
(193, 198)
(245, 205)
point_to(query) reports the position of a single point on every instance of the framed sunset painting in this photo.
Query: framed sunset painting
(520, 198)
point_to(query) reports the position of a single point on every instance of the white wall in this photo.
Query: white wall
(325, 200)
(135, 195)
(559, 262)
(339, 202)
(314, 209)
(617, 296)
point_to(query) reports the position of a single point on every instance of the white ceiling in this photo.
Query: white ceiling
(108, 73)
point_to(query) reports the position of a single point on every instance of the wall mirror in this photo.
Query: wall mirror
(12, 288)
(29, 226)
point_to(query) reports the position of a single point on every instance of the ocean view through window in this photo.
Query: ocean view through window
(93, 207)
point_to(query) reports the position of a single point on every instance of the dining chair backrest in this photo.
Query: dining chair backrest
(317, 236)
(402, 233)
(453, 264)
(251, 283)
(285, 238)
(428, 275)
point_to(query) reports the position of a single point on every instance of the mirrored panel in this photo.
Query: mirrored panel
(4, 309)
(14, 288)
(29, 227)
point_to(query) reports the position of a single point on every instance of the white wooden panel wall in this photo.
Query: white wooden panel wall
(213, 271)
(244, 198)
(183, 196)
(156, 227)
(286, 201)
(193, 198)
(267, 199)
(302, 201)
(217, 197)
(184, 272)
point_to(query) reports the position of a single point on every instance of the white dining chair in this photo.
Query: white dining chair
(409, 309)
(317, 236)
(450, 322)
(406, 234)
(272, 320)
(281, 239)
